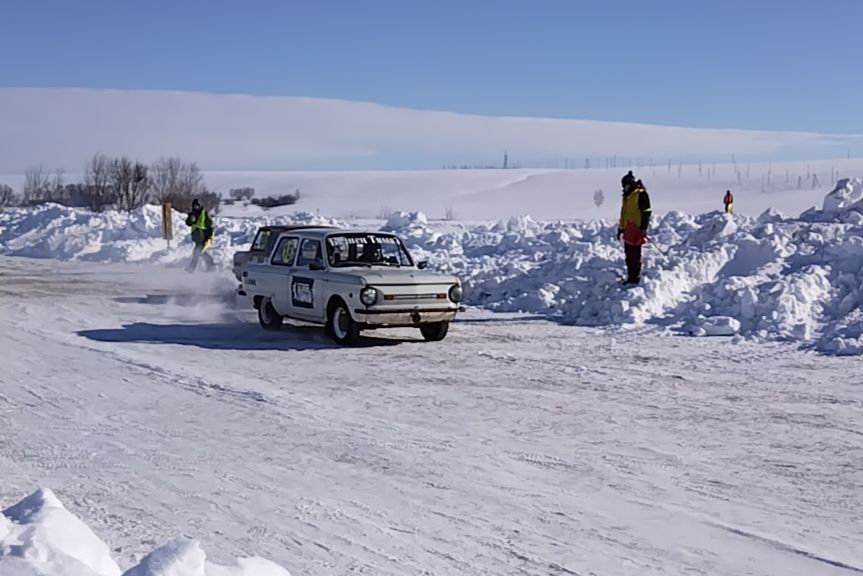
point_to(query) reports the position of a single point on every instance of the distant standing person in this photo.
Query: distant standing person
(628, 180)
(634, 221)
(728, 200)
(202, 235)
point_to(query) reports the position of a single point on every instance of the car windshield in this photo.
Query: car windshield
(360, 249)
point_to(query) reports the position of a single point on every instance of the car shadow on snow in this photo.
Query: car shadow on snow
(228, 337)
(180, 299)
(501, 318)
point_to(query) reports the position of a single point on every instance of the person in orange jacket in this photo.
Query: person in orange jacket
(634, 221)
(728, 200)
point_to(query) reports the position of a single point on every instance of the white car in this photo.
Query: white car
(348, 280)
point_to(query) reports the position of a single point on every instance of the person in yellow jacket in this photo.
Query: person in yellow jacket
(202, 235)
(634, 221)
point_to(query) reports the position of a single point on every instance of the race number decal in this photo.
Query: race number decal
(301, 292)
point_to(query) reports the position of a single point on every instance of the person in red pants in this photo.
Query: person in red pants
(728, 201)
(634, 221)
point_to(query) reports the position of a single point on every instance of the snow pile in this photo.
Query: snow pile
(185, 558)
(712, 274)
(790, 279)
(53, 231)
(39, 537)
(847, 196)
(716, 326)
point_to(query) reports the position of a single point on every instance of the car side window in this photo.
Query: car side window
(261, 240)
(285, 252)
(310, 251)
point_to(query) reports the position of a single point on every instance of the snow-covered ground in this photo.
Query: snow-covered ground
(566, 426)
(154, 411)
(767, 277)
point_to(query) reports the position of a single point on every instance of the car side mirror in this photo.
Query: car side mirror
(316, 265)
(423, 265)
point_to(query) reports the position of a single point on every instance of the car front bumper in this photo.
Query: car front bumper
(404, 317)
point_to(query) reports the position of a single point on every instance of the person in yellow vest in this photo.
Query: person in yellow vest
(202, 235)
(634, 221)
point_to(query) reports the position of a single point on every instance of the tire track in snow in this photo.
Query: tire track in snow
(786, 547)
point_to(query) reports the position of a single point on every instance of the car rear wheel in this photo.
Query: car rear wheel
(341, 326)
(268, 317)
(434, 332)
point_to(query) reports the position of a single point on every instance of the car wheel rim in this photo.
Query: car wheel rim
(340, 324)
(265, 312)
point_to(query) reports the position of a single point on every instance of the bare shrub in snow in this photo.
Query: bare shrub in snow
(97, 181)
(599, 198)
(130, 184)
(36, 185)
(242, 194)
(7, 196)
(273, 201)
(177, 182)
(211, 200)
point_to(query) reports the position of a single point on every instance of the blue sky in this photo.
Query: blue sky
(760, 64)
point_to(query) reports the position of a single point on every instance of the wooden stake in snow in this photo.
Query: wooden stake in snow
(167, 223)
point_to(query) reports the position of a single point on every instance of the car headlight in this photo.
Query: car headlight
(456, 293)
(368, 296)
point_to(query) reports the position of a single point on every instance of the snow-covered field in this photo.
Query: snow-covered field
(566, 426)
(767, 277)
(155, 411)
(480, 195)
(790, 187)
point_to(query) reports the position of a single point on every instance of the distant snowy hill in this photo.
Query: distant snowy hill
(60, 128)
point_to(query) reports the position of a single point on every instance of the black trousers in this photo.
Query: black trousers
(199, 254)
(633, 263)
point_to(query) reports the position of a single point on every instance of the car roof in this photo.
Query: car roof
(322, 232)
(278, 228)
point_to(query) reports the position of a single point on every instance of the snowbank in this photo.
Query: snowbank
(53, 231)
(847, 196)
(789, 279)
(39, 537)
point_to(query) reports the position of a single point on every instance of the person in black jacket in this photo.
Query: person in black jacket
(202, 235)
(627, 181)
(635, 215)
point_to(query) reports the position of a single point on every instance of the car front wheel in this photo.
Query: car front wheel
(268, 317)
(434, 332)
(341, 326)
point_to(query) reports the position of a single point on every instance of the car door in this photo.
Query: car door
(257, 272)
(306, 284)
(281, 267)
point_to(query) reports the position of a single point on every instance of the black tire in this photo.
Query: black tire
(268, 318)
(434, 332)
(340, 326)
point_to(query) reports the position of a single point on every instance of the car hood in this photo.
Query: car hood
(385, 276)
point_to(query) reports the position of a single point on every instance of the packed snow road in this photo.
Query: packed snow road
(516, 446)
